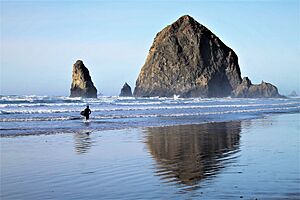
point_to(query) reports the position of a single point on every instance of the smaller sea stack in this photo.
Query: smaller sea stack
(248, 90)
(126, 91)
(82, 84)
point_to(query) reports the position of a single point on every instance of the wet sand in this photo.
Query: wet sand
(249, 159)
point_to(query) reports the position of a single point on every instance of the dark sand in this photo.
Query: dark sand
(251, 159)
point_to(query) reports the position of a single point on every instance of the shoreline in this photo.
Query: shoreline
(89, 131)
(36, 116)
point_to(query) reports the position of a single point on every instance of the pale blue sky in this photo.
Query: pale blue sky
(40, 40)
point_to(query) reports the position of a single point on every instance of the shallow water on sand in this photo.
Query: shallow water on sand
(250, 159)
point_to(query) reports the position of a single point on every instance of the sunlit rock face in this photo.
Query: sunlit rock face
(82, 84)
(187, 59)
(189, 153)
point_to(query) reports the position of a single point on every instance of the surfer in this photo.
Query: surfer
(86, 112)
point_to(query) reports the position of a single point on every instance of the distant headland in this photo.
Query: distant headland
(188, 60)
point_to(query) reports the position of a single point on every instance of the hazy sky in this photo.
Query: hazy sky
(40, 40)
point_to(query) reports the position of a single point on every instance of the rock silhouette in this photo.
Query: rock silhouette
(82, 85)
(293, 94)
(188, 60)
(126, 91)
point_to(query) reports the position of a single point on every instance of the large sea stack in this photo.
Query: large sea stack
(82, 84)
(187, 59)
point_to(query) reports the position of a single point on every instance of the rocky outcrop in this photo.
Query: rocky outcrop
(248, 90)
(293, 94)
(187, 59)
(82, 85)
(126, 91)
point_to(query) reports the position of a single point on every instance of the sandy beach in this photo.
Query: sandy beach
(250, 159)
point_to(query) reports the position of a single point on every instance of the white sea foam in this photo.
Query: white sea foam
(220, 113)
(36, 119)
(168, 107)
(54, 112)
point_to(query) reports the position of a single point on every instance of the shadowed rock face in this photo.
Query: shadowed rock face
(187, 59)
(82, 85)
(248, 90)
(126, 91)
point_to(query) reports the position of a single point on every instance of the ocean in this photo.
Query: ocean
(23, 115)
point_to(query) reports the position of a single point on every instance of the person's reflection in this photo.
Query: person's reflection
(82, 142)
(187, 154)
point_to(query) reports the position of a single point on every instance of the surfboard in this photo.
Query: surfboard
(86, 121)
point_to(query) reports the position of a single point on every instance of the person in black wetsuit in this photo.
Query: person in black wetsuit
(86, 113)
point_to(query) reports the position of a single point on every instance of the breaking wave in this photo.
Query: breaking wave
(30, 113)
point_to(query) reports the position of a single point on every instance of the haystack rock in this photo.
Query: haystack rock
(82, 84)
(188, 60)
(248, 90)
(126, 91)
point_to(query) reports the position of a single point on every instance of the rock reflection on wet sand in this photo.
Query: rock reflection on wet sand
(189, 153)
(82, 142)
